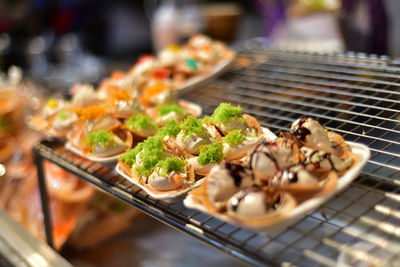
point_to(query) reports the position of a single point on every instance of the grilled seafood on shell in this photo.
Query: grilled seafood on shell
(270, 157)
(156, 167)
(141, 126)
(223, 181)
(315, 160)
(310, 133)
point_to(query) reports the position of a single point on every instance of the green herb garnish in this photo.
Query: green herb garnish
(191, 125)
(171, 128)
(234, 137)
(62, 115)
(147, 165)
(166, 109)
(211, 154)
(100, 137)
(206, 120)
(140, 122)
(151, 153)
(130, 156)
(225, 112)
(171, 164)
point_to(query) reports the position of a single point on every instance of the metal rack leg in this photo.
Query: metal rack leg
(44, 198)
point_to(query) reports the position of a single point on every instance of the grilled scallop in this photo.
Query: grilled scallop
(270, 157)
(141, 126)
(310, 133)
(251, 202)
(64, 121)
(223, 181)
(228, 118)
(238, 151)
(294, 175)
(162, 181)
(116, 145)
(301, 182)
(323, 161)
(193, 136)
(253, 206)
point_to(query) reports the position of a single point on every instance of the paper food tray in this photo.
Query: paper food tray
(362, 151)
(166, 196)
(77, 151)
(169, 196)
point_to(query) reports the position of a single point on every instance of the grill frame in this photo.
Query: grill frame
(274, 92)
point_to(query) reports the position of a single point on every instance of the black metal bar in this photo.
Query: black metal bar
(44, 197)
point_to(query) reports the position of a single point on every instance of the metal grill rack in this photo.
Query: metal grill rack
(353, 94)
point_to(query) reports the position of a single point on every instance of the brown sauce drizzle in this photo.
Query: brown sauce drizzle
(292, 176)
(317, 164)
(236, 171)
(243, 194)
(266, 153)
(301, 132)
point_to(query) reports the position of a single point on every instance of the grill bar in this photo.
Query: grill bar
(354, 95)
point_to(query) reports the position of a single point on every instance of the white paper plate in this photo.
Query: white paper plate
(362, 151)
(197, 79)
(166, 196)
(77, 151)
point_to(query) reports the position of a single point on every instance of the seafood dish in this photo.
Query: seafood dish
(128, 107)
(102, 124)
(181, 153)
(200, 58)
(280, 179)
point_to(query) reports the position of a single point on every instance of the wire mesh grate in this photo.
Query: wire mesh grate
(355, 95)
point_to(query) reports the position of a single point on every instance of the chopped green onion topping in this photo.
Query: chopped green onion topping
(166, 109)
(140, 122)
(100, 137)
(62, 115)
(171, 128)
(224, 112)
(234, 137)
(148, 165)
(151, 153)
(191, 125)
(130, 156)
(171, 164)
(211, 154)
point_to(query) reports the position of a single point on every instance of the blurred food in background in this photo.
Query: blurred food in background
(69, 196)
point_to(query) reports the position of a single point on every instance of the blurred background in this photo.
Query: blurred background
(50, 38)
(58, 43)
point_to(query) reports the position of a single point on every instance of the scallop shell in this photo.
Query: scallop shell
(287, 203)
(242, 150)
(167, 182)
(253, 123)
(107, 123)
(304, 191)
(201, 170)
